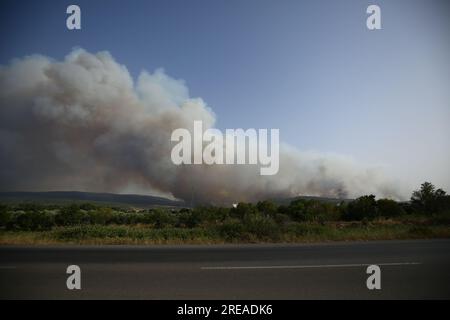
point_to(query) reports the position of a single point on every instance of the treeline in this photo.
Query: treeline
(264, 218)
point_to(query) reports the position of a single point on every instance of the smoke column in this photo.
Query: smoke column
(85, 124)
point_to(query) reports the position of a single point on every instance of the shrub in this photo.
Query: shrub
(296, 210)
(428, 200)
(161, 218)
(282, 218)
(302, 210)
(31, 221)
(87, 206)
(389, 208)
(71, 215)
(243, 210)
(261, 226)
(267, 208)
(196, 217)
(5, 215)
(103, 215)
(363, 207)
(231, 229)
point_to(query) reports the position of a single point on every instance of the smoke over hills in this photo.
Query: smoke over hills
(84, 124)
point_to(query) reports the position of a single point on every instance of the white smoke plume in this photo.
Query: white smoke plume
(84, 124)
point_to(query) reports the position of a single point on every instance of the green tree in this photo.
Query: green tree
(244, 210)
(71, 215)
(363, 207)
(103, 216)
(389, 208)
(162, 218)
(5, 216)
(267, 208)
(296, 210)
(428, 200)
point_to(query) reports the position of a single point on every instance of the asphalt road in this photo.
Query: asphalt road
(409, 270)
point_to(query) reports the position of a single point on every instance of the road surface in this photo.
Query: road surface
(409, 270)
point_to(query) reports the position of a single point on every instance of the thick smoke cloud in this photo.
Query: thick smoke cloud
(83, 124)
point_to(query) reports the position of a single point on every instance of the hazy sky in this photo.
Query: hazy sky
(310, 68)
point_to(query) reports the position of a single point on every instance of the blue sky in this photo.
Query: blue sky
(309, 68)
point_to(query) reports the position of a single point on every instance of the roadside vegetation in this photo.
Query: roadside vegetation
(427, 215)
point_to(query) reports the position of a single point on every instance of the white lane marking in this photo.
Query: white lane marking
(311, 266)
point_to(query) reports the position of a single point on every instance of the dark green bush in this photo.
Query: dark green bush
(5, 215)
(31, 221)
(261, 226)
(302, 210)
(282, 218)
(428, 200)
(267, 208)
(296, 210)
(71, 215)
(243, 210)
(389, 208)
(203, 216)
(103, 215)
(161, 218)
(231, 229)
(363, 207)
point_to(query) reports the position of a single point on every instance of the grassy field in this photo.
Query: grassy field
(292, 233)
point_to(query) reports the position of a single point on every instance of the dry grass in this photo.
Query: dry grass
(299, 233)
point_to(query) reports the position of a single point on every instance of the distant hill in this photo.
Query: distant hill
(104, 198)
(129, 200)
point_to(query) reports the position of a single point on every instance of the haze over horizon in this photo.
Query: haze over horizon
(358, 111)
